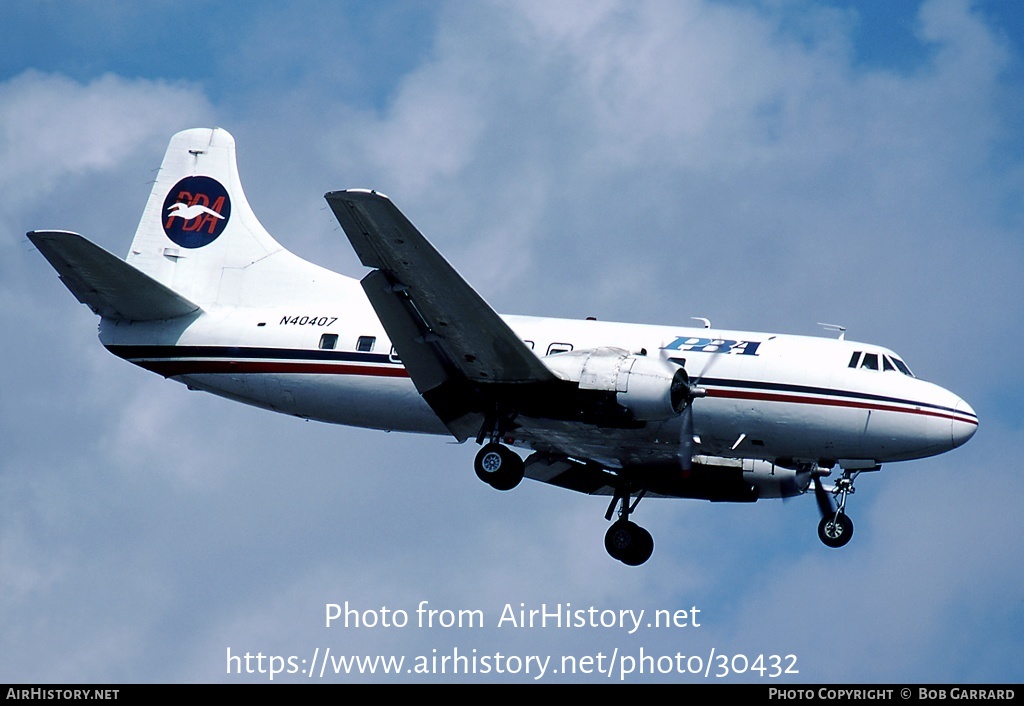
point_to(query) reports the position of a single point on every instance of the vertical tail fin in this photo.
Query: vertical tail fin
(197, 228)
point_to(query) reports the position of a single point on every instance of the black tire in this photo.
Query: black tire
(619, 538)
(499, 467)
(488, 463)
(835, 531)
(643, 547)
(629, 543)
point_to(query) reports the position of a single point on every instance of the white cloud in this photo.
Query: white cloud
(54, 127)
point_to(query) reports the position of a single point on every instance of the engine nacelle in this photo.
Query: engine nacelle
(651, 389)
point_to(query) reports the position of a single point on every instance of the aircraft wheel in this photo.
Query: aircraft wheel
(643, 547)
(835, 531)
(629, 543)
(499, 467)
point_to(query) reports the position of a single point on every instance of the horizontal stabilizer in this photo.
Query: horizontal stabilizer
(107, 284)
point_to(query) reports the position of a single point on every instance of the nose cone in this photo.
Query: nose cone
(964, 424)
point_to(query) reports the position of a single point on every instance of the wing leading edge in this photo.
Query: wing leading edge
(463, 358)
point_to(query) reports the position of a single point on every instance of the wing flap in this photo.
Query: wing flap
(560, 471)
(107, 284)
(426, 366)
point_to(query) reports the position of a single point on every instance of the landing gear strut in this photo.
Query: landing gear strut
(625, 540)
(836, 528)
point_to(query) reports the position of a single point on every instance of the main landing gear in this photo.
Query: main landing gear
(625, 540)
(502, 469)
(836, 528)
(498, 466)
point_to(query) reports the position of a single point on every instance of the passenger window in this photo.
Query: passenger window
(365, 343)
(556, 348)
(870, 361)
(329, 341)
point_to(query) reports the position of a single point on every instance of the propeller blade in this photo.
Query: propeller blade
(825, 506)
(686, 437)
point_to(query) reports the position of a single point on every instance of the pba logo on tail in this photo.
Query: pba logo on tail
(196, 211)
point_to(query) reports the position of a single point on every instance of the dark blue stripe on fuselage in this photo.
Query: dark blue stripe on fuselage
(244, 353)
(829, 392)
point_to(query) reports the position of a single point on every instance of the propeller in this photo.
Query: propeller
(686, 430)
(686, 436)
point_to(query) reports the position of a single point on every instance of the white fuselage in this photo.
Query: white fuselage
(769, 396)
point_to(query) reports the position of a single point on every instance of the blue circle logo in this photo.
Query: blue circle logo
(196, 211)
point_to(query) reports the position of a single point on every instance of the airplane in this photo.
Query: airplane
(208, 298)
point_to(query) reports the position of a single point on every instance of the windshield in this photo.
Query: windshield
(879, 361)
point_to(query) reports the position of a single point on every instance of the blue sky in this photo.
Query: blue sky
(768, 165)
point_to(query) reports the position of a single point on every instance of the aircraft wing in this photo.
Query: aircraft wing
(107, 284)
(460, 354)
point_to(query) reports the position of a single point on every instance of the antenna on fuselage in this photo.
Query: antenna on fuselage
(835, 327)
(706, 322)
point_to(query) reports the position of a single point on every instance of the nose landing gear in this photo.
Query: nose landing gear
(835, 531)
(835, 528)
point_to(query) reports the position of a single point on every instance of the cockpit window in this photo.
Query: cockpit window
(870, 361)
(902, 367)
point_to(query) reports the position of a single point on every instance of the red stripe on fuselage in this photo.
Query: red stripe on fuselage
(173, 368)
(834, 402)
